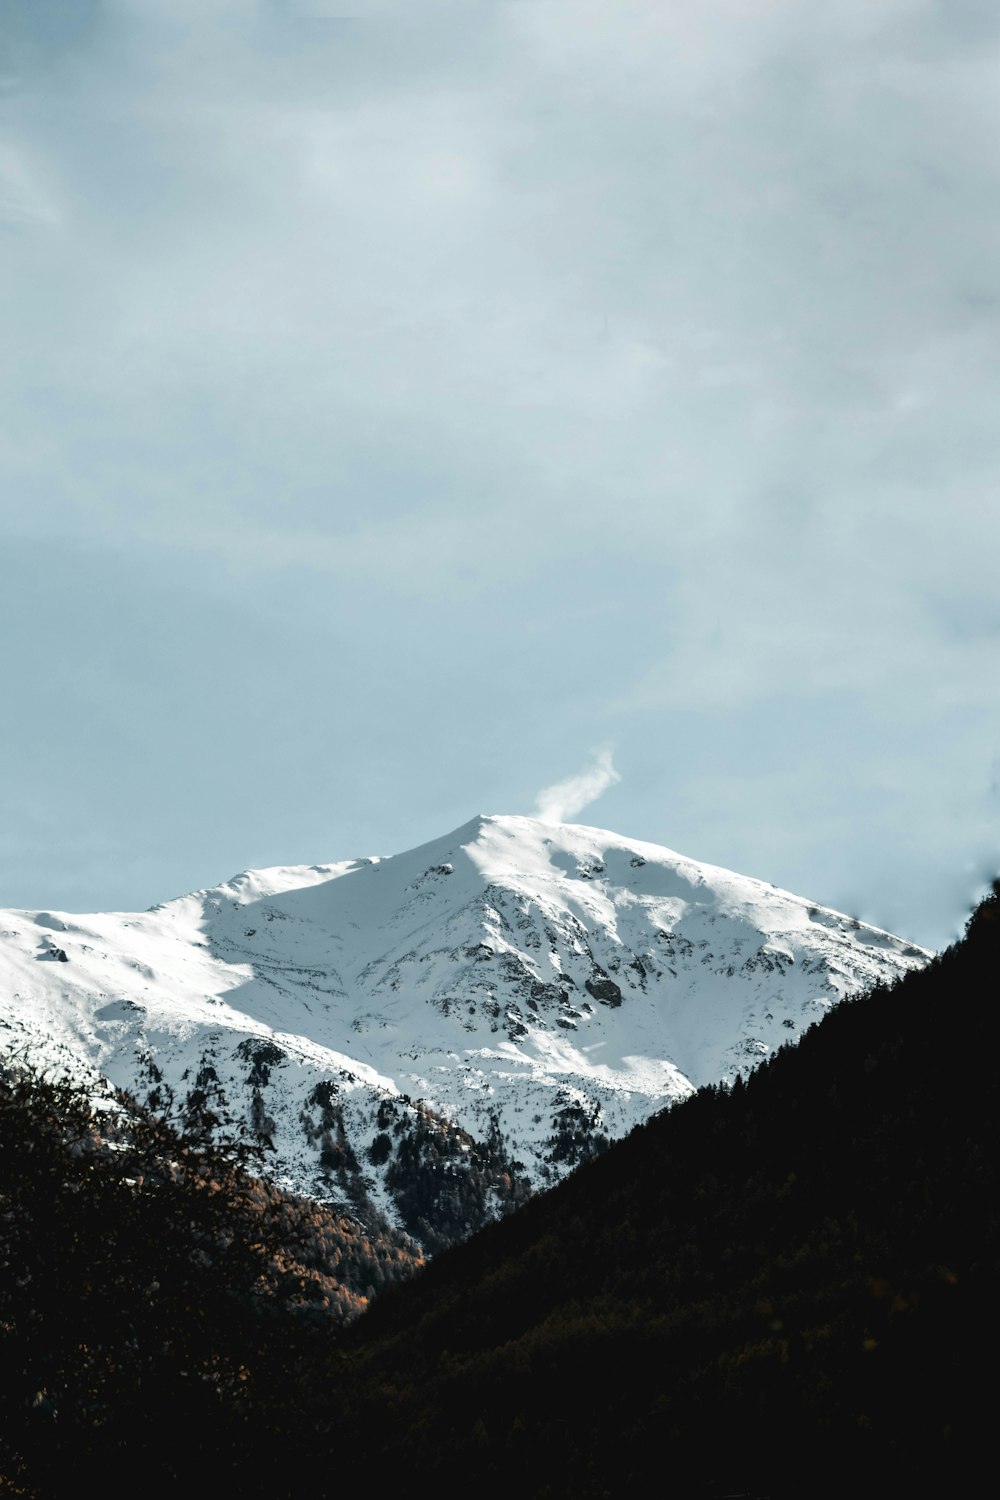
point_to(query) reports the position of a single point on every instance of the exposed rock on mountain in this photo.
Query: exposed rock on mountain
(429, 1037)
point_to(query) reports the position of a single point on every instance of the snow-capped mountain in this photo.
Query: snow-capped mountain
(432, 1034)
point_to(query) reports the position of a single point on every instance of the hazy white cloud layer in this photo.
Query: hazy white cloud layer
(565, 799)
(397, 395)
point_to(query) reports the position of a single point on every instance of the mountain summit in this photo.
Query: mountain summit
(431, 1035)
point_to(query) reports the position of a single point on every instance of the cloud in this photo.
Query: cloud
(23, 200)
(662, 335)
(562, 801)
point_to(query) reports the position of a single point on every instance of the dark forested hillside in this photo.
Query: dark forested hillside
(785, 1289)
(781, 1290)
(152, 1290)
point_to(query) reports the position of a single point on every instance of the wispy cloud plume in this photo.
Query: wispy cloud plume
(566, 798)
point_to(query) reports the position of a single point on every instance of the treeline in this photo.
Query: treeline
(153, 1290)
(443, 1181)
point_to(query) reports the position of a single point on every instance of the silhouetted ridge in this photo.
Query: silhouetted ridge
(783, 1289)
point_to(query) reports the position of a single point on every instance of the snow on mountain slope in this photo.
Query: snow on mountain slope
(430, 1034)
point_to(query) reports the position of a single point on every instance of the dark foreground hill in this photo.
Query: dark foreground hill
(787, 1289)
(152, 1289)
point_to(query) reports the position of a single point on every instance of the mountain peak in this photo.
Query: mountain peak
(536, 987)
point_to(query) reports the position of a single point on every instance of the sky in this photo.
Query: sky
(581, 407)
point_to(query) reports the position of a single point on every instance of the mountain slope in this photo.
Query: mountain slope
(429, 1036)
(143, 1271)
